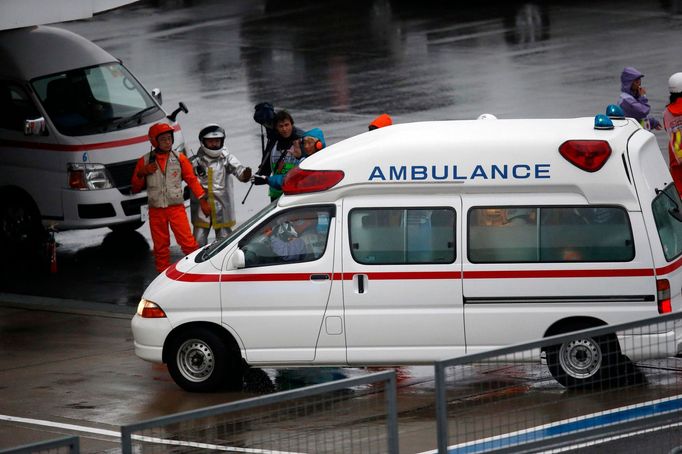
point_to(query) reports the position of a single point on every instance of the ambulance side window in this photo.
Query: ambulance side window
(396, 236)
(669, 228)
(292, 236)
(549, 234)
(17, 107)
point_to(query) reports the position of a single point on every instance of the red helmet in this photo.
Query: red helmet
(156, 130)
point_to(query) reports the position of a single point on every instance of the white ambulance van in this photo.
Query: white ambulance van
(424, 241)
(73, 122)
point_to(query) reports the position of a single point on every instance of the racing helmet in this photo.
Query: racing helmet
(156, 130)
(212, 131)
(675, 83)
(487, 116)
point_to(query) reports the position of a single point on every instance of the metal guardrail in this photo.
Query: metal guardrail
(67, 445)
(500, 401)
(347, 415)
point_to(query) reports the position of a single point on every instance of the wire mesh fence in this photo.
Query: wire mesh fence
(353, 415)
(66, 445)
(601, 390)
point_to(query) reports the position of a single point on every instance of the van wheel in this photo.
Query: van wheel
(126, 226)
(588, 362)
(200, 361)
(21, 230)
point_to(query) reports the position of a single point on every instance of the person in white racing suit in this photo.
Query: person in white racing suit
(213, 166)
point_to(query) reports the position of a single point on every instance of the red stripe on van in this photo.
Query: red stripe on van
(669, 268)
(429, 275)
(84, 147)
(633, 272)
(176, 275)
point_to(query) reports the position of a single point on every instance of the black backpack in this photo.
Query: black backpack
(264, 114)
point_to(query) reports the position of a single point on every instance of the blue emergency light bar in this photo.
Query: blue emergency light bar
(601, 121)
(615, 112)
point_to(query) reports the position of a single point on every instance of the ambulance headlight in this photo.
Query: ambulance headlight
(148, 309)
(85, 176)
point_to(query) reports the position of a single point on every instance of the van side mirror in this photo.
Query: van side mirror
(181, 108)
(236, 260)
(35, 127)
(156, 93)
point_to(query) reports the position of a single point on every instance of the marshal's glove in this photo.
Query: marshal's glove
(245, 176)
(205, 207)
(259, 179)
(147, 170)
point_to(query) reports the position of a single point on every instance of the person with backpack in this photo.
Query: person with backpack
(282, 156)
(312, 142)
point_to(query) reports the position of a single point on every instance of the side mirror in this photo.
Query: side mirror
(181, 108)
(35, 127)
(156, 93)
(236, 260)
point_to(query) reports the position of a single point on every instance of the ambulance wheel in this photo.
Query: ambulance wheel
(587, 363)
(200, 361)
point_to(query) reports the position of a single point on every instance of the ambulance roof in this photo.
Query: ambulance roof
(31, 52)
(482, 156)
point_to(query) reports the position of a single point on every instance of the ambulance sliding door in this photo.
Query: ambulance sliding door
(534, 259)
(402, 287)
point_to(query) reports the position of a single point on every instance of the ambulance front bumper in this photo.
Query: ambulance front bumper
(149, 336)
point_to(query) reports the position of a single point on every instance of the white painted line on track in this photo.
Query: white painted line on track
(59, 425)
(115, 434)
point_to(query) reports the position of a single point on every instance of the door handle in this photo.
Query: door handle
(319, 277)
(360, 282)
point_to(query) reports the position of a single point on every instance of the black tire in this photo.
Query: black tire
(200, 361)
(589, 363)
(126, 226)
(22, 235)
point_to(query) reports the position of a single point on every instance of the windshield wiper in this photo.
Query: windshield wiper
(137, 116)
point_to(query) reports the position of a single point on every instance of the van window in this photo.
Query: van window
(95, 100)
(292, 236)
(15, 107)
(397, 236)
(549, 234)
(669, 228)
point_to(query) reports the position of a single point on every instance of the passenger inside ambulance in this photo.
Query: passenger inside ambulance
(299, 235)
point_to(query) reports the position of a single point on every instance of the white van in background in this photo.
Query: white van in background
(73, 122)
(423, 241)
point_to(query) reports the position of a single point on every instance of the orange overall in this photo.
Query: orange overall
(166, 207)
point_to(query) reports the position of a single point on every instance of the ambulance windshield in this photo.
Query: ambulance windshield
(664, 206)
(95, 100)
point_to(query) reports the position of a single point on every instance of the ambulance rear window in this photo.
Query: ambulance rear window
(398, 236)
(534, 234)
(669, 228)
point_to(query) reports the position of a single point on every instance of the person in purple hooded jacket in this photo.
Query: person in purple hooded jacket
(633, 98)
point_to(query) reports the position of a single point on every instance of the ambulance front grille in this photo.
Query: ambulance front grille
(121, 173)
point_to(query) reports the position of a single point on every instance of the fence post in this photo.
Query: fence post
(392, 417)
(126, 442)
(441, 408)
